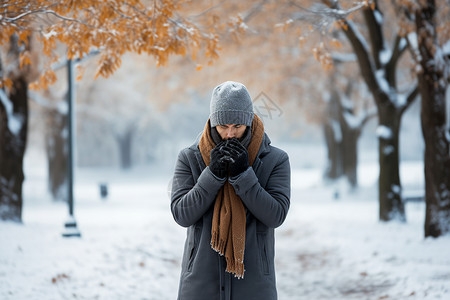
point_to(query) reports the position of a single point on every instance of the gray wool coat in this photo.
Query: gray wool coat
(265, 191)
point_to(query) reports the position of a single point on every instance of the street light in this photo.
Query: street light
(70, 226)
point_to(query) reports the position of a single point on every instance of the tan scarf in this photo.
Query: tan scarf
(228, 223)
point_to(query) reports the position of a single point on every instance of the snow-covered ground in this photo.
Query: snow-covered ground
(328, 248)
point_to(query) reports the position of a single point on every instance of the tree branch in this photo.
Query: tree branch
(368, 116)
(411, 97)
(208, 10)
(138, 11)
(255, 9)
(330, 9)
(343, 57)
(62, 63)
(362, 52)
(40, 11)
(399, 47)
(374, 24)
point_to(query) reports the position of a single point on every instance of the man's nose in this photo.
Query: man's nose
(231, 132)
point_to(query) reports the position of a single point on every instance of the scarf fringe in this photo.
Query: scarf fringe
(236, 268)
(233, 266)
(217, 244)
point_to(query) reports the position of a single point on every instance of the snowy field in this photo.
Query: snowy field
(131, 248)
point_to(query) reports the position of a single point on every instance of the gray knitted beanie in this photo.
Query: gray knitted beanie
(231, 104)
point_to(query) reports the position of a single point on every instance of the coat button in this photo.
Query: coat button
(223, 288)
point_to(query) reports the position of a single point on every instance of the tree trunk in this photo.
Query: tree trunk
(125, 142)
(341, 140)
(389, 187)
(350, 138)
(433, 118)
(333, 138)
(57, 154)
(12, 151)
(334, 168)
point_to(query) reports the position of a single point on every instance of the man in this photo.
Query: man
(231, 188)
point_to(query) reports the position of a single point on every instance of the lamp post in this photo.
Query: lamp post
(70, 226)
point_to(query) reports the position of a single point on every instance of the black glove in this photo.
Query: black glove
(219, 161)
(239, 157)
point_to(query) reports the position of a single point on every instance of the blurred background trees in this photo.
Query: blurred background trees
(114, 28)
(378, 53)
(380, 36)
(347, 112)
(141, 114)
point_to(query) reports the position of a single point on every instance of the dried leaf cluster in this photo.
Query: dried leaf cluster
(157, 28)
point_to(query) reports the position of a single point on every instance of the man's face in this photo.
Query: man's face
(229, 131)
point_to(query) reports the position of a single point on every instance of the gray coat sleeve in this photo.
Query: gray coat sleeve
(269, 205)
(190, 200)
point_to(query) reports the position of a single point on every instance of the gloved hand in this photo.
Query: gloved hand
(219, 161)
(239, 156)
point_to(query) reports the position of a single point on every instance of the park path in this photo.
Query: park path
(131, 247)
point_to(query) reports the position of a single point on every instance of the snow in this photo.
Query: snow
(403, 44)
(244, 26)
(378, 17)
(337, 132)
(62, 107)
(388, 149)
(329, 247)
(401, 100)
(441, 61)
(446, 48)
(385, 56)
(359, 36)
(384, 132)
(396, 189)
(352, 121)
(413, 41)
(414, 44)
(50, 34)
(382, 82)
(15, 121)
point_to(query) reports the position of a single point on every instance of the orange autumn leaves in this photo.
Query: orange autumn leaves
(157, 28)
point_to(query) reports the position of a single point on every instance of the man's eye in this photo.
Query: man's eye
(237, 126)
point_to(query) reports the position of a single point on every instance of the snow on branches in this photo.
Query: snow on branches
(157, 28)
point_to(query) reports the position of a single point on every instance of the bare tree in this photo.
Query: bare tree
(378, 60)
(433, 81)
(343, 124)
(13, 134)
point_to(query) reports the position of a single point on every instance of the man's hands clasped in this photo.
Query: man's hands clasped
(229, 158)
(239, 157)
(219, 161)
